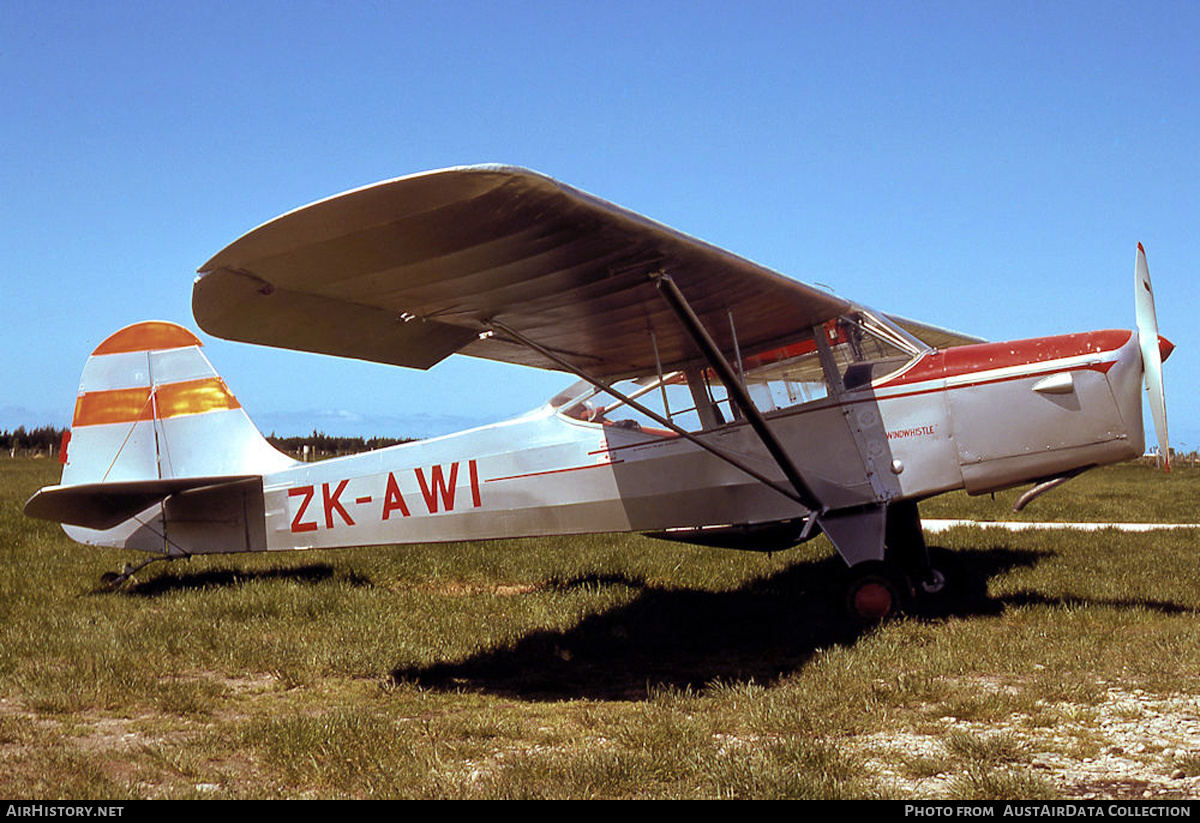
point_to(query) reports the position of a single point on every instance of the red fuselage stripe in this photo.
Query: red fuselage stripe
(553, 471)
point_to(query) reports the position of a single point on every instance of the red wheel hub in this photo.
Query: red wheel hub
(873, 600)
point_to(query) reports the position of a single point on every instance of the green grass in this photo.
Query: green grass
(1125, 493)
(593, 667)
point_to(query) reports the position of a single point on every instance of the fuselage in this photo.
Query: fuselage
(978, 417)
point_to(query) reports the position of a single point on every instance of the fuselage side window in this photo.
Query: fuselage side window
(787, 376)
(669, 399)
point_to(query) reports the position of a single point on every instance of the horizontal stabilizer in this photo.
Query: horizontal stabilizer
(105, 505)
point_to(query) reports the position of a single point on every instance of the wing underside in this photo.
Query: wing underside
(412, 270)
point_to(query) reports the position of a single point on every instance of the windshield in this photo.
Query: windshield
(867, 348)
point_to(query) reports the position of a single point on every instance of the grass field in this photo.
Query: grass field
(1064, 664)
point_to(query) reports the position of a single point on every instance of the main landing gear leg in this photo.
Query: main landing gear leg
(879, 589)
(906, 547)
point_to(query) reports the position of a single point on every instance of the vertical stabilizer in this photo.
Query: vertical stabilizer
(151, 406)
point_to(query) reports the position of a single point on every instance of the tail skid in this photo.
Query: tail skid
(161, 457)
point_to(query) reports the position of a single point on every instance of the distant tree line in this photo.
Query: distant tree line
(42, 440)
(321, 445)
(47, 440)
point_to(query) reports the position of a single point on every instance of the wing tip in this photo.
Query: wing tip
(228, 258)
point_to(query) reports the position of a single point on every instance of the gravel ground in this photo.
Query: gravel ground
(1130, 746)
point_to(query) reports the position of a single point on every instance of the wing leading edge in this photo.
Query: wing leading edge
(411, 270)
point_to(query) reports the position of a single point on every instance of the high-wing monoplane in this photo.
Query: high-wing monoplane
(717, 401)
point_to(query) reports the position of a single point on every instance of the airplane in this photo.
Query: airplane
(717, 402)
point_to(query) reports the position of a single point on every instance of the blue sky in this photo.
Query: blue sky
(985, 166)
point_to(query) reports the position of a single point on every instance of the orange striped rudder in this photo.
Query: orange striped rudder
(148, 336)
(166, 401)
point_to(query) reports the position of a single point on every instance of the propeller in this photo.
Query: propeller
(1152, 352)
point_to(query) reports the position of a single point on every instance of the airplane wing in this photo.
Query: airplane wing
(411, 270)
(935, 336)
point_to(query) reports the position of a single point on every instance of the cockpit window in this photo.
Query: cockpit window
(861, 346)
(864, 348)
(786, 376)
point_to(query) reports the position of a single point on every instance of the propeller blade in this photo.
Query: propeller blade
(1147, 324)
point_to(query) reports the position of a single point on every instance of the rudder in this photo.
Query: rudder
(150, 406)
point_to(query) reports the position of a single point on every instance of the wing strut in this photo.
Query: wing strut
(735, 387)
(657, 418)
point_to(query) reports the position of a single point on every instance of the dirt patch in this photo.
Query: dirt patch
(459, 589)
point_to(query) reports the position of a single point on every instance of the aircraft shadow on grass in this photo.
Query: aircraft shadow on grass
(679, 638)
(170, 583)
(687, 639)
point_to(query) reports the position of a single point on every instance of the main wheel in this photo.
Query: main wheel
(874, 593)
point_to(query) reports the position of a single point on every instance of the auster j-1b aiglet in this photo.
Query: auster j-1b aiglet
(718, 402)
